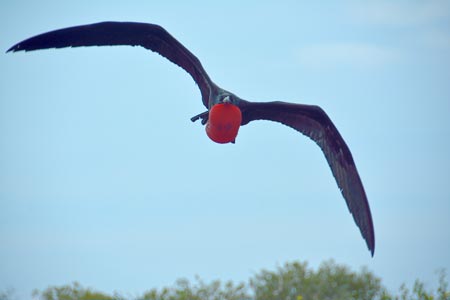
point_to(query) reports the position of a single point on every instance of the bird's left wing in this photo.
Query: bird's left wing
(313, 122)
(149, 36)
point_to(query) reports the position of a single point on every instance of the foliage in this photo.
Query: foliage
(7, 294)
(73, 292)
(296, 281)
(419, 291)
(292, 281)
(183, 290)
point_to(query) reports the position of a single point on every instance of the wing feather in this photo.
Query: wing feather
(313, 122)
(149, 36)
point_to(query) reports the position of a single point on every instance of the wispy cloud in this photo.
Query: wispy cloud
(401, 13)
(423, 23)
(353, 55)
(434, 38)
(412, 29)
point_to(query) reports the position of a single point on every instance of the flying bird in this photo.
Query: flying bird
(226, 112)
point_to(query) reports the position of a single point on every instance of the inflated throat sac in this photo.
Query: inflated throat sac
(223, 123)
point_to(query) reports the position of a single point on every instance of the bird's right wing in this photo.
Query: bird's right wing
(313, 122)
(149, 36)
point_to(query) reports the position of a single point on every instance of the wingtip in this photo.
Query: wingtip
(12, 49)
(17, 47)
(372, 249)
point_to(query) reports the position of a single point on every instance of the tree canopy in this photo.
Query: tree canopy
(291, 281)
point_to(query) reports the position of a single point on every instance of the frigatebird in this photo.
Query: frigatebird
(226, 112)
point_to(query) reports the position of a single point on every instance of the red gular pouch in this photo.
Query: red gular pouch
(223, 123)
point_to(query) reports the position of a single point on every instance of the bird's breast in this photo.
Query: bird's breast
(223, 123)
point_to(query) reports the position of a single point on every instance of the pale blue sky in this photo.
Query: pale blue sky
(104, 179)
